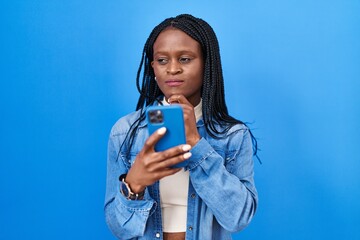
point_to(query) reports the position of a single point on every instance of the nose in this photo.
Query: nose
(174, 67)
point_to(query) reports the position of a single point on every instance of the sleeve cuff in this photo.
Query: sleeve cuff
(199, 153)
(138, 205)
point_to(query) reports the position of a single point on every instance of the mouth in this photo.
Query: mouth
(174, 82)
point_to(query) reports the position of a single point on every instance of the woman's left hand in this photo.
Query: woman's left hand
(192, 134)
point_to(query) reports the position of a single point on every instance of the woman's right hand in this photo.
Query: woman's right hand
(150, 166)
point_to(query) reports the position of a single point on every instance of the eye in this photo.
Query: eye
(162, 61)
(184, 60)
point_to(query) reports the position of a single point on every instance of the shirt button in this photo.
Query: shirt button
(190, 228)
(157, 235)
(193, 195)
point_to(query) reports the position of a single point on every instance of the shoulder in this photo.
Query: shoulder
(239, 131)
(232, 130)
(240, 134)
(231, 135)
(237, 136)
(123, 124)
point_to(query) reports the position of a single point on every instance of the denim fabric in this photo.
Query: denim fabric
(222, 197)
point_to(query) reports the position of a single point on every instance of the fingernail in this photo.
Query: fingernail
(186, 147)
(187, 155)
(161, 131)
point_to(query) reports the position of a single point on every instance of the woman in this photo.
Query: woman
(214, 195)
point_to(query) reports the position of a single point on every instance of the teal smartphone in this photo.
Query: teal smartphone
(172, 118)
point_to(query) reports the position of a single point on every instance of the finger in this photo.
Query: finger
(188, 109)
(174, 99)
(168, 158)
(170, 153)
(174, 151)
(178, 98)
(154, 138)
(170, 162)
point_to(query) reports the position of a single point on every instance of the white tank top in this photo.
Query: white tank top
(174, 194)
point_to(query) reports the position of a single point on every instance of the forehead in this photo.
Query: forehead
(175, 39)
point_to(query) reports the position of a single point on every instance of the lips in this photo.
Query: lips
(174, 82)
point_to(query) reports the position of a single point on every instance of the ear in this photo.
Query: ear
(152, 64)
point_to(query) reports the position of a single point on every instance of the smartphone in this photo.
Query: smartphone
(172, 118)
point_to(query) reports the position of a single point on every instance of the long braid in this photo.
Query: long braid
(212, 93)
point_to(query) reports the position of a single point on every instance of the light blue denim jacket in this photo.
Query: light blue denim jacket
(222, 197)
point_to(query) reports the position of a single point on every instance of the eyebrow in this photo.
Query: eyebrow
(180, 52)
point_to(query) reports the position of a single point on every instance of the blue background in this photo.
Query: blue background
(292, 69)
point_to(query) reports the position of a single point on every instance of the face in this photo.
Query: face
(178, 65)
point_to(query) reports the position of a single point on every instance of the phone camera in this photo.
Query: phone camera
(156, 116)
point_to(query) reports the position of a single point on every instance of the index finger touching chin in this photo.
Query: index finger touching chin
(175, 99)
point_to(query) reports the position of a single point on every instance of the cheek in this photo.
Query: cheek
(199, 75)
(156, 67)
(199, 69)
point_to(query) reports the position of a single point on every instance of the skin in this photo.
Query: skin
(178, 65)
(178, 60)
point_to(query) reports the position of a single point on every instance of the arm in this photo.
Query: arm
(210, 178)
(215, 184)
(125, 218)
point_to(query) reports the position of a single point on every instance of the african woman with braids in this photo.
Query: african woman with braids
(214, 194)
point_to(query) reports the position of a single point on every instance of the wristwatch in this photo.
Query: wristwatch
(126, 190)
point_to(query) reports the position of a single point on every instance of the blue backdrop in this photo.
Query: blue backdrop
(292, 69)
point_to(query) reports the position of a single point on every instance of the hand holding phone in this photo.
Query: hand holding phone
(170, 117)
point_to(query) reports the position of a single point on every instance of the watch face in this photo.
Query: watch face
(124, 190)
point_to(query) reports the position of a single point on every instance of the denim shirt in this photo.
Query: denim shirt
(222, 196)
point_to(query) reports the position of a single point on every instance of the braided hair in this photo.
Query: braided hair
(212, 92)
